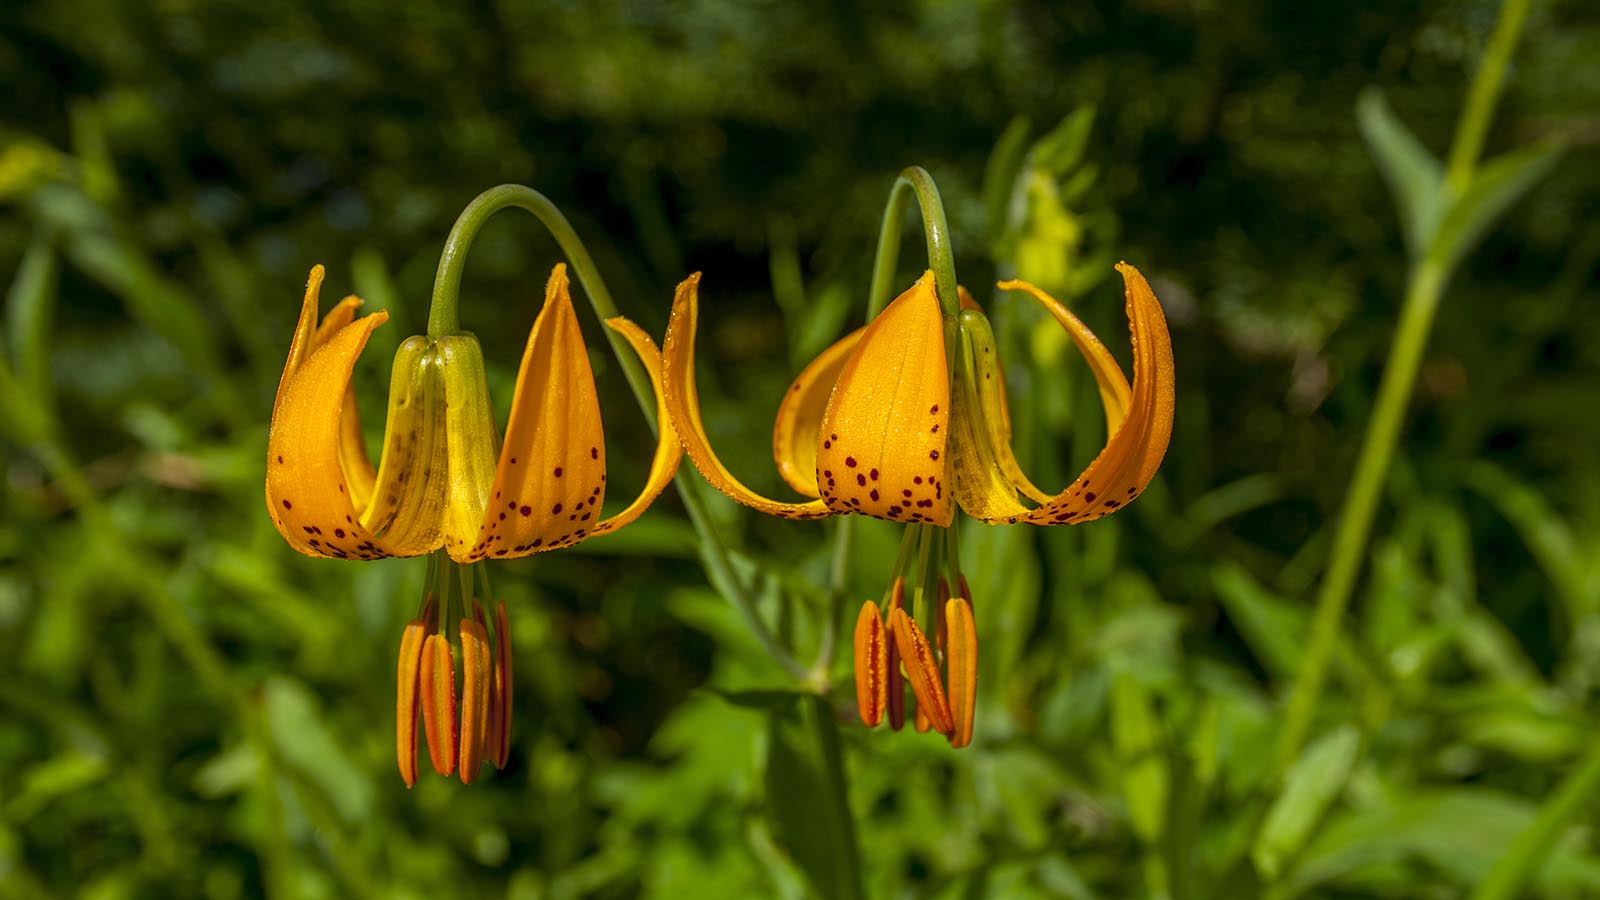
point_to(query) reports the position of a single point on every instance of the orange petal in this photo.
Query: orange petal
(669, 450)
(439, 702)
(884, 431)
(476, 674)
(405, 703)
(1135, 450)
(922, 670)
(1108, 377)
(795, 433)
(961, 659)
(500, 749)
(683, 406)
(306, 486)
(872, 666)
(551, 478)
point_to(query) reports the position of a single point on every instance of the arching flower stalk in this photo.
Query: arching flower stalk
(446, 485)
(874, 425)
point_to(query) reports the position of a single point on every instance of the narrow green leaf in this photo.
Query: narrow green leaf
(1308, 788)
(1497, 184)
(1413, 174)
(1062, 149)
(28, 307)
(797, 803)
(1136, 735)
(1000, 179)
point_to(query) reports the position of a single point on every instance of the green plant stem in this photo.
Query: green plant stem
(1473, 127)
(444, 318)
(1423, 292)
(1521, 861)
(842, 829)
(936, 232)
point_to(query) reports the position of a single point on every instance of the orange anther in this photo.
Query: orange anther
(896, 681)
(962, 662)
(405, 699)
(500, 690)
(872, 665)
(476, 674)
(439, 702)
(922, 670)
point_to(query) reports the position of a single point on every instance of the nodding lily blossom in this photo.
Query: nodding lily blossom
(889, 422)
(440, 488)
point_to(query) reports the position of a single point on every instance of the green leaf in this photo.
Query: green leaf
(798, 803)
(1000, 180)
(1413, 174)
(1136, 734)
(774, 699)
(1270, 624)
(1062, 149)
(1308, 788)
(1458, 833)
(1494, 188)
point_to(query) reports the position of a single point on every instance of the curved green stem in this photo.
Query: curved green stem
(443, 316)
(935, 230)
(1422, 297)
(1522, 859)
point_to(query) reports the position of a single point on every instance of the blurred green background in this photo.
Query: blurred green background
(190, 709)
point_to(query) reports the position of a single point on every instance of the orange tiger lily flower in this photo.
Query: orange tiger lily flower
(877, 425)
(440, 486)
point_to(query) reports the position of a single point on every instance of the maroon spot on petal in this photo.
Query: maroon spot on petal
(934, 411)
(935, 429)
(513, 460)
(526, 511)
(826, 445)
(594, 452)
(558, 471)
(502, 517)
(280, 460)
(511, 505)
(861, 480)
(917, 480)
(338, 532)
(874, 474)
(906, 492)
(288, 505)
(556, 511)
(850, 461)
(933, 454)
(874, 494)
(1089, 497)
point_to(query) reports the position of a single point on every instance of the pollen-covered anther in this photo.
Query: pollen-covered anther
(438, 685)
(872, 665)
(499, 737)
(961, 660)
(476, 676)
(405, 704)
(922, 670)
(895, 681)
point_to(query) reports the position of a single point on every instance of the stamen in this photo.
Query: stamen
(500, 690)
(405, 703)
(922, 670)
(872, 666)
(962, 662)
(891, 655)
(475, 678)
(439, 702)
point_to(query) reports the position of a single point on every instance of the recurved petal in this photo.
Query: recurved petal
(683, 407)
(305, 330)
(1135, 449)
(1114, 390)
(407, 507)
(470, 440)
(551, 478)
(669, 450)
(795, 433)
(306, 484)
(883, 435)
